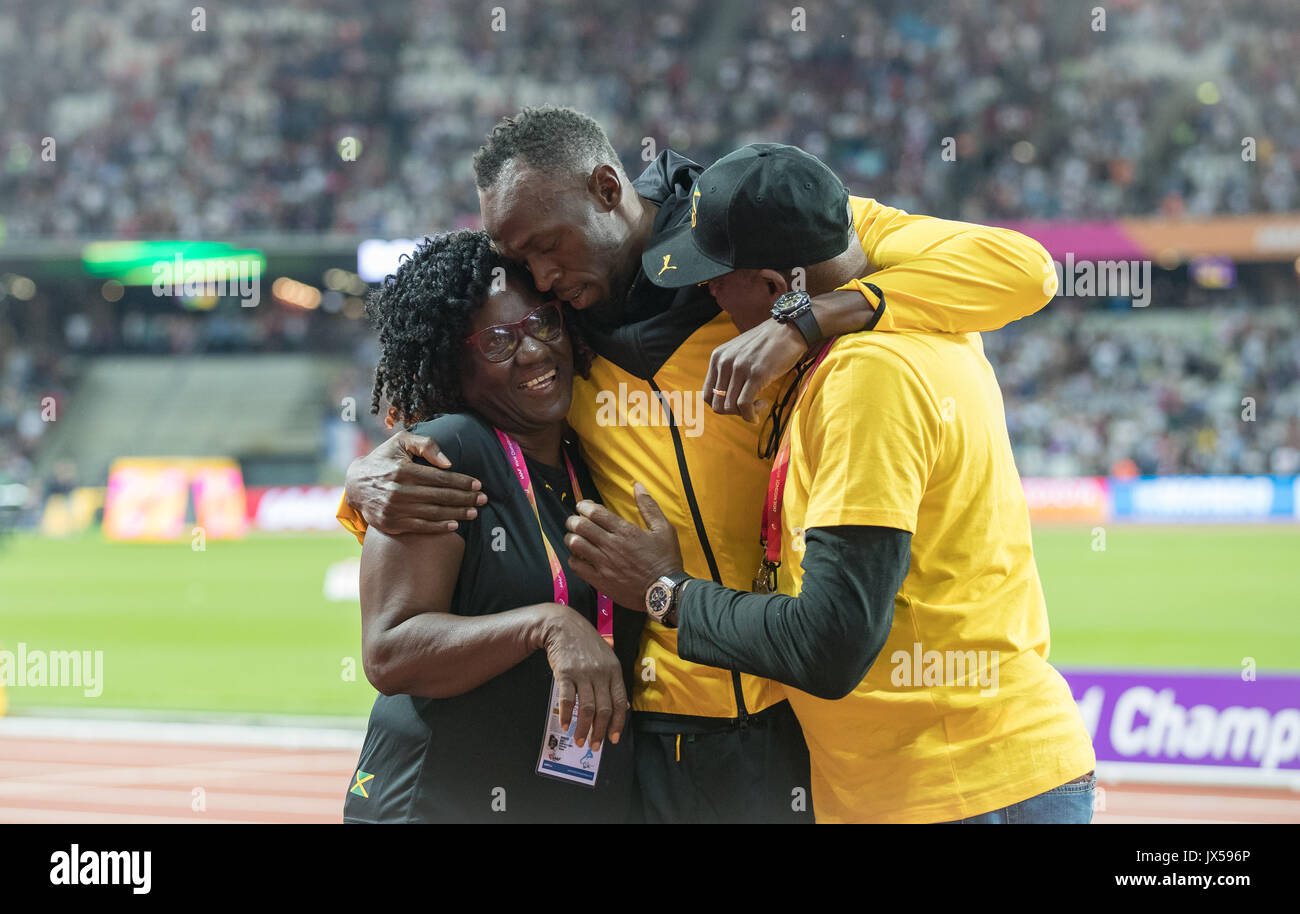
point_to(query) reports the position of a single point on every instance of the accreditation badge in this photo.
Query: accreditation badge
(560, 757)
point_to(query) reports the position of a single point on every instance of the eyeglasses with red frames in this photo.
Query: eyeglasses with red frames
(499, 342)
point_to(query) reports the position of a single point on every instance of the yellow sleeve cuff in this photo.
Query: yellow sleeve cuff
(865, 288)
(353, 522)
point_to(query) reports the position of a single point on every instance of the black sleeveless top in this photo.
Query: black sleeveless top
(473, 758)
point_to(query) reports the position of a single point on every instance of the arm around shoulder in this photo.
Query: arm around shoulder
(408, 484)
(945, 276)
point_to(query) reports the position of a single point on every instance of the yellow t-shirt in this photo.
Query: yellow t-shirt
(960, 714)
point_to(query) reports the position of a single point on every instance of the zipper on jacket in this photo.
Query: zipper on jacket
(741, 711)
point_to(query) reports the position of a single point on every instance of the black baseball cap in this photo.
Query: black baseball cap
(764, 206)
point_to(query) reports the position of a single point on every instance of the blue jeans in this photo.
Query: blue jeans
(1069, 804)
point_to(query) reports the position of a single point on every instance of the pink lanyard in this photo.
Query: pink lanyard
(604, 605)
(769, 535)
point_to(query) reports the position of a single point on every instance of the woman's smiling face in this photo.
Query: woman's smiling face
(533, 387)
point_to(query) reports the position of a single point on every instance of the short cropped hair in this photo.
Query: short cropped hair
(552, 139)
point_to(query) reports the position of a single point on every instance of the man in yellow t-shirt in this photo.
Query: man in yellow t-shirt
(910, 626)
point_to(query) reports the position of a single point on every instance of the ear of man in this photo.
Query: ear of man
(605, 184)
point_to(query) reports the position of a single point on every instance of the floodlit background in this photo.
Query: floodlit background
(1154, 409)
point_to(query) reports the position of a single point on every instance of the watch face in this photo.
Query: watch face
(656, 600)
(789, 301)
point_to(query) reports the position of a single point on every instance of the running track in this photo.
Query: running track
(61, 771)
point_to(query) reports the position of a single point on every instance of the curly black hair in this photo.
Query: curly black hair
(423, 313)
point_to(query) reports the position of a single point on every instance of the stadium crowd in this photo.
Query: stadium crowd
(324, 116)
(321, 116)
(1124, 393)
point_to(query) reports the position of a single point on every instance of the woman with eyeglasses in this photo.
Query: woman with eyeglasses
(480, 640)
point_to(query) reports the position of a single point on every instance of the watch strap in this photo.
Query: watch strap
(806, 322)
(677, 578)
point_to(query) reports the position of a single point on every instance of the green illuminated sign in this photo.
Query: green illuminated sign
(172, 264)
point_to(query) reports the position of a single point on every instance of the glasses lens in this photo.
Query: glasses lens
(497, 343)
(545, 323)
